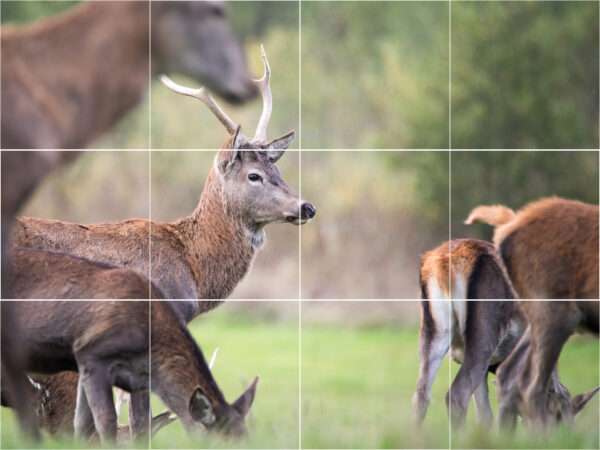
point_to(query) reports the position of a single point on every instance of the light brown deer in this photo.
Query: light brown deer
(53, 400)
(549, 247)
(108, 344)
(207, 253)
(67, 79)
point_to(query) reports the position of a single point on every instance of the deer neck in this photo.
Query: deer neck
(111, 44)
(220, 244)
(178, 365)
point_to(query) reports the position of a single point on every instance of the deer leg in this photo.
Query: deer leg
(507, 375)
(84, 421)
(484, 329)
(547, 341)
(139, 415)
(433, 346)
(481, 399)
(98, 391)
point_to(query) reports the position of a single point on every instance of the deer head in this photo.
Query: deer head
(252, 184)
(194, 38)
(227, 420)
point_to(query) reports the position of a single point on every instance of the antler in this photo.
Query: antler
(206, 98)
(265, 89)
(260, 137)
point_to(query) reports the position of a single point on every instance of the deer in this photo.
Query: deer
(549, 248)
(526, 375)
(37, 274)
(204, 255)
(21, 172)
(54, 401)
(62, 88)
(107, 343)
(480, 335)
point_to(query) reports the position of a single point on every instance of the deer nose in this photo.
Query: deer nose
(308, 210)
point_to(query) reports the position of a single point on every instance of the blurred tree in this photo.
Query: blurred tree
(525, 75)
(21, 12)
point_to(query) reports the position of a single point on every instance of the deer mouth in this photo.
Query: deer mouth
(295, 220)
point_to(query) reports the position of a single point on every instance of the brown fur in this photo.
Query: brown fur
(460, 257)
(108, 343)
(203, 255)
(68, 78)
(550, 249)
(525, 376)
(43, 274)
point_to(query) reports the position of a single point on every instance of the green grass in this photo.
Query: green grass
(357, 385)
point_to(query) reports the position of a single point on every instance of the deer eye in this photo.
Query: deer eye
(254, 177)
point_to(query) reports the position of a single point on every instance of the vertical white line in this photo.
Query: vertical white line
(150, 217)
(300, 228)
(450, 201)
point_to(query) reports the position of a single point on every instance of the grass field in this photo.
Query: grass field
(356, 389)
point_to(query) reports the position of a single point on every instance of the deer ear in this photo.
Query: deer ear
(242, 405)
(282, 142)
(274, 155)
(226, 159)
(201, 408)
(579, 401)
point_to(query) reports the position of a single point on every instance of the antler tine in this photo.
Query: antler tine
(205, 97)
(265, 89)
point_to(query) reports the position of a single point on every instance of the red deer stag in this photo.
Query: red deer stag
(207, 253)
(107, 343)
(67, 79)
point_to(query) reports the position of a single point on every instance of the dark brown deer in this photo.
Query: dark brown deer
(67, 79)
(37, 274)
(525, 377)
(207, 253)
(549, 247)
(107, 343)
(479, 334)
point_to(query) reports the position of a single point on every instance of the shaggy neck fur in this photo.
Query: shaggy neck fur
(220, 244)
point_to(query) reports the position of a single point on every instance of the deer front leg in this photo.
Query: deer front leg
(139, 415)
(84, 421)
(433, 346)
(99, 395)
(508, 375)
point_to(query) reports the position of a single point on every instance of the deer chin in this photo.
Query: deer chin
(295, 220)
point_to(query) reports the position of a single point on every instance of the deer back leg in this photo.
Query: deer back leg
(434, 342)
(486, 323)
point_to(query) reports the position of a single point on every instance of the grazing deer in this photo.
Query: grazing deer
(69, 78)
(526, 376)
(549, 248)
(53, 401)
(107, 343)
(479, 334)
(207, 253)
(44, 274)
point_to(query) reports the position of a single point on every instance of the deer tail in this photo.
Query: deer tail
(495, 215)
